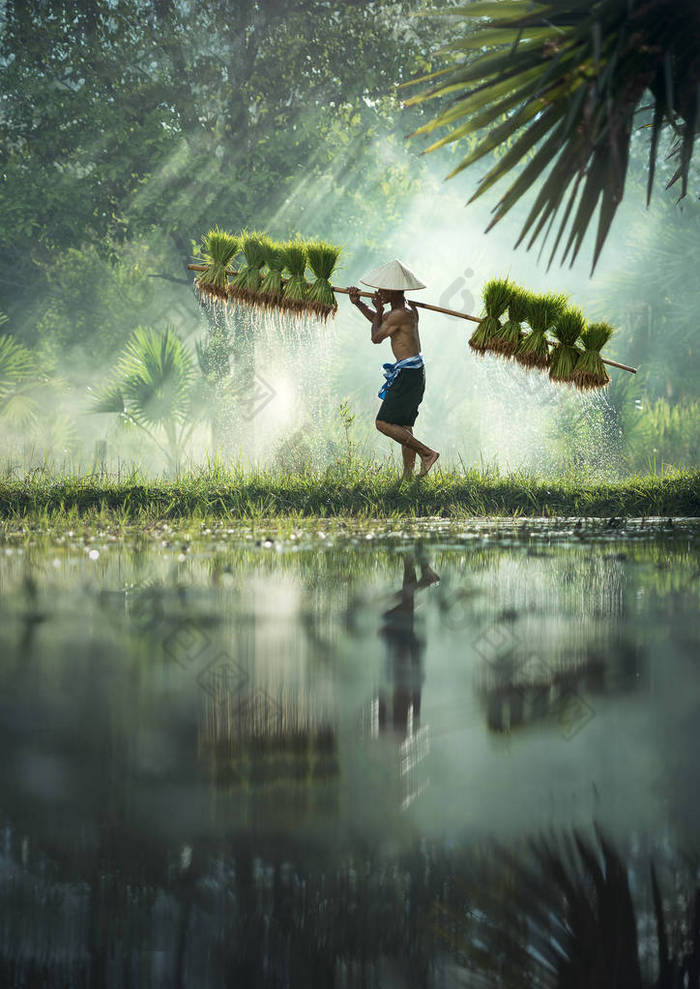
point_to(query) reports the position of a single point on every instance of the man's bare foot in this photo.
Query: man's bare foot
(406, 477)
(427, 462)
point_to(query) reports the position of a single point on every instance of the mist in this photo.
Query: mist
(379, 197)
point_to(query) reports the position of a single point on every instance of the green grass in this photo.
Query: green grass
(356, 491)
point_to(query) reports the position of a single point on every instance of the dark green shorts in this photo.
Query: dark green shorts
(405, 394)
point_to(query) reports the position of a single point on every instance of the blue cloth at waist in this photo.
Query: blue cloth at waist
(391, 371)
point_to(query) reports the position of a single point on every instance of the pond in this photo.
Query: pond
(346, 756)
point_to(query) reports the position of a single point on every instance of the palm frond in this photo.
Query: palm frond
(16, 364)
(155, 374)
(109, 399)
(583, 69)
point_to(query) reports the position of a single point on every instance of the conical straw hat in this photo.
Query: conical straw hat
(394, 275)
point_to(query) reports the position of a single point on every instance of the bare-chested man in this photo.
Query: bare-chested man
(405, 379)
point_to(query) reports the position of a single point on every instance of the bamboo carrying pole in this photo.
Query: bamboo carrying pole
(447, 312)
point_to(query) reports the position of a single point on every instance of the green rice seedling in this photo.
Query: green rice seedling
(567, 329)
(219, 248)
(323, 259)
(296, 289)
(542, 311)
(497, 293)
(245, 286)
(271, 284)
(505, 343)
(590, 371)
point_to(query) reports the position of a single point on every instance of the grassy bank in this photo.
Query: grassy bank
(356, 492)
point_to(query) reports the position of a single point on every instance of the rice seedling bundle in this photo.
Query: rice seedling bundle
(542, 311)
(568, 327)
(218, 251)
(508, 337)
(497, 293)
(247, 280)
(323, 259)
(271, 284)
(590, 371)
(296, 289)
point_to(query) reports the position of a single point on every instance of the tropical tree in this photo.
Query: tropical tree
(18, 403)
(567, 911)
(558, 84)
(156, 389)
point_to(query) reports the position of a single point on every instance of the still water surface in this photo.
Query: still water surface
(316, 757)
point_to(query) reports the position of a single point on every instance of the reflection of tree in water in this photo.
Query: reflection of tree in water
(569, 911)
(565, 911)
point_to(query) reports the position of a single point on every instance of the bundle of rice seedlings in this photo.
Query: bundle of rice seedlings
(245, 286)
(322, 258)
(507, 338)
(296, 289)
(590, 371)
(567, 329)
(271, 284)
(497, 295)
(542, 311)
(218, 251)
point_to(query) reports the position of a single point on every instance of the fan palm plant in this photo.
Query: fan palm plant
(155, 389)
(565, 915)
(559, 82)
(18, 404)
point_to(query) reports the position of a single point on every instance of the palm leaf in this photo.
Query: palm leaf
(16, 364)
(596, 60)
(109, 399)
(155, 374)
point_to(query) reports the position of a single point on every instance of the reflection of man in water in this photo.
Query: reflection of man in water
(404, 653)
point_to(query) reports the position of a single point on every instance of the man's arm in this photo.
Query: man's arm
(354, 294)
(382, 327)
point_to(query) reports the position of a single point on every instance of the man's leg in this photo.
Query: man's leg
(404, 436)
(409, 458)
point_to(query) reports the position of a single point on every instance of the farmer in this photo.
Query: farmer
(403, 389)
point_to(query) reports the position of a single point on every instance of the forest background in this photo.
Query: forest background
(129, 128)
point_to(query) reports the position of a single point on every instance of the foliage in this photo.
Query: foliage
(652, 296)
(497, 294)
(218, 250)
(507, 338)
(662, 436)
(153, 116)
(17, 367)
(567, 328)
(296, 289)
(323, 260)
(351, 489)
(542, 312)
(154, 389)
(566, 77)
(572, 897)
(590, 371)
(271, 285)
